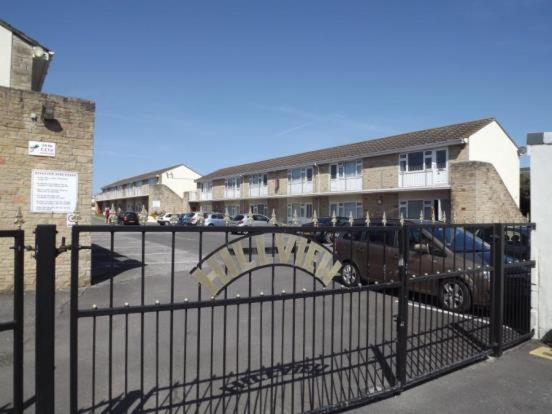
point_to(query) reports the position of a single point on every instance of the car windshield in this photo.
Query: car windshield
(459, 240)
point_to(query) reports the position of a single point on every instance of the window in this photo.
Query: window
(348, 169)
(309, 174)
(300, 174)
(233, 210)
(303, 211)
(441, 156)
(346, 208)
(415, 161)
(411, 209)
(265, 180)
(258, 209)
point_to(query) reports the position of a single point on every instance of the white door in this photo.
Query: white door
(440, 167)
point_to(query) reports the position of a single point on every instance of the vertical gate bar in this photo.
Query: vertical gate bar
(18, 284)
(142, 301)
(45, 237)
(292, 334)
(249, 326)
(224, 334)
(497, 315)
(402, 317)
(74, 327)
(110, 339)
(171, 315)
(198, 354)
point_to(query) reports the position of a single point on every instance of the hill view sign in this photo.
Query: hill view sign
(228, 263)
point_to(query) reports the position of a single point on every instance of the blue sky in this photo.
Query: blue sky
(212, 84)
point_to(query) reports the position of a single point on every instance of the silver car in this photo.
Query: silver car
(241, 220)
(213, 219)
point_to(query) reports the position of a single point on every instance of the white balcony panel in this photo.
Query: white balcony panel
(428, 178)
(232, 193)
(346, 184)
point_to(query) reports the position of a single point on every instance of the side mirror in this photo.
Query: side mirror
(422, 248)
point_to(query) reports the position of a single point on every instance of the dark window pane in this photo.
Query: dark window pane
(415, 161)
(442, 159)
(333, 171)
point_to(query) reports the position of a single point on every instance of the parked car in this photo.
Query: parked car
(326, 236)
(213, 219)
(165, 218)
(372, 255)
(241, 220)
(129, 217)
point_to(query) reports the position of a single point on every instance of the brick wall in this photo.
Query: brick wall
(478, 195)
(376, 204)
(169, 200)
(72, 131)
(380, 172)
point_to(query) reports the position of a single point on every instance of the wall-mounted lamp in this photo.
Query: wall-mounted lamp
(48, 111)
(380, 201)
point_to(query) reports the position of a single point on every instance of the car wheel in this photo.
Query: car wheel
(210, 225)
(350, 275)
(454, 295)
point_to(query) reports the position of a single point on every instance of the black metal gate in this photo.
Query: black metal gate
(15, 323)
(276, 320)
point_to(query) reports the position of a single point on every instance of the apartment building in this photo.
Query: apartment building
(159, 190)
(467, 172)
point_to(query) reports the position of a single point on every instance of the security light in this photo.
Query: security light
(48, 111)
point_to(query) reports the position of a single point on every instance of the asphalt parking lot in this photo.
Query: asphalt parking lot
(281, 336)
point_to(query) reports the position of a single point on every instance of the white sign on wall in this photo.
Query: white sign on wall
(54, 191)
(156, 203)
(43, 149)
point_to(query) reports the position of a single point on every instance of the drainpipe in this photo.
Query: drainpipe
(317, 187)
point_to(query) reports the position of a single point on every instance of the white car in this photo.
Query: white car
(166, 218)
(241, 220)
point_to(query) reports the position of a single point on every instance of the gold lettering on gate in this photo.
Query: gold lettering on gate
(223, 267)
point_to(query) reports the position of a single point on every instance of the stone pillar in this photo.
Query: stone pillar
(540, 150)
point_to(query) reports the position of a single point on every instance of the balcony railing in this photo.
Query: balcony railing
(426, 178)
(346, 184)
(300, 187)
(231, 193)
(258, 191)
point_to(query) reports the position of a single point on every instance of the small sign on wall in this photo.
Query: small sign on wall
(156, 203)
(42, 149)
(54, 191)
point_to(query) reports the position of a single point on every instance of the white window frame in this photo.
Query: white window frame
(302, 180)
(339, 208)
(340, 169)
(304, 212)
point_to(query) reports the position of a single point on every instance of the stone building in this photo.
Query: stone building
(157, 191)
(466, 172)
(46, 147)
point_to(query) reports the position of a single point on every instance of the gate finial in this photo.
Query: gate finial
(334, 219)
(200, 219)
(421, 216)
(384, 219)
(315, 219)
(19, 221)
(174, 218)
(295, 218)
(444, 217)
(351, 219)
(433, 215)
(144, 215)
(273, 220)
(367, 221)
(226, 217)
(250, 216)
(113, 215)
(401, 220)
(76, 216)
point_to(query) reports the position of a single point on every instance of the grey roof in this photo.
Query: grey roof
(22, 35)
(140, 177)
(391, 144)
